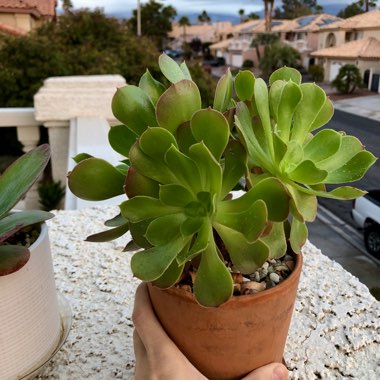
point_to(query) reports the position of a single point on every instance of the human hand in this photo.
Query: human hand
(158, 358)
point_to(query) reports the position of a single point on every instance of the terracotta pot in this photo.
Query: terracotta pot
(30, 324)
(231, 340)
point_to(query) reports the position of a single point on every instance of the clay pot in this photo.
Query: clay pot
(231, 340)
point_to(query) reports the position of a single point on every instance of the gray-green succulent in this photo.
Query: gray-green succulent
(14, 184)
(182, 162)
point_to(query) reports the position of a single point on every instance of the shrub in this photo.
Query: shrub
(248, 64)
(348, 79)
(317, 73)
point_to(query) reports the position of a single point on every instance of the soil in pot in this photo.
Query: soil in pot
(245, 333)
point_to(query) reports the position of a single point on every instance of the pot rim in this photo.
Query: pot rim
(245, 298)
(41, 236)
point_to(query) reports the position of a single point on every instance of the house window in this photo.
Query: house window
(330, 40)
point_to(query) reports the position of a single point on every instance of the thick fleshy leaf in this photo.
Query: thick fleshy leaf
(12, 258)
(212, 128)
(209, 168)
(244, 85)
(262, 104)
(276, 241)
(213, 283)
(280, 149)
(141, 207)
(170, 276)
(95, 179)
(138, 232)
(349, 147)
(121, 138)
(151, 264)
(175, 195)
(170, 68)
(138, 184)
(12, 223)
(153, 88)
(223, 92)
(353, 170)
(152, 168)
(292, 157)
(200, 244)
(246, 257)
(313, 100)
(303, 205)
(177, 104)
(324, 115)
(250, 222)
(109, 235)
(235, 161)
(19, 177)
(344, 193)
(306, 172)
(185, 138)
(164, 229)
(298, 235)
(271, 191)
(155, 142)
(116, 221)
(134, 108)
(323, 145)
(275, 92)
(81, 156)
(191, 225)
(286, 74)
(185, 70)
(290, 97)
(184, 168)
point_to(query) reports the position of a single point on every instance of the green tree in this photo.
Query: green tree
(241, 14)
(268, 14)
(204, 17)
(253, 16)
(156, 21)
(367, 4)
(350, 11)
(184, 22)
(348, 79)
(296, 8)
(67, 6)
(278, 55)
(263, 39)
(80, 43)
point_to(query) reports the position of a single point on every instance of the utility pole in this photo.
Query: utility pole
(138, 18)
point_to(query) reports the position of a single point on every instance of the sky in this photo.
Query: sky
(189, 6)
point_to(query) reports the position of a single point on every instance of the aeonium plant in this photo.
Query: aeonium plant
(17, 179)
(182, 161)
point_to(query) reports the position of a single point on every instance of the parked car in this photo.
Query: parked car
(366, 214)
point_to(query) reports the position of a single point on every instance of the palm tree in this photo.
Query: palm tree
(268, 14)
(184, 21)
(367, 4)
(204, 17)
(241, 14)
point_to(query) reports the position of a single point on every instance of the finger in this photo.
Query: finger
(141, 364)
(273, 371)
(149, 329)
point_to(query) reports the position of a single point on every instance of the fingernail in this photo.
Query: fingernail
(280, 373)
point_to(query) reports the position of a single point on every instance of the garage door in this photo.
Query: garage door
(237, 60)
(334, 70)
(375, 82)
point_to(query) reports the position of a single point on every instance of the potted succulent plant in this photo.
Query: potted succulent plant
(196, 245)
(30, 324)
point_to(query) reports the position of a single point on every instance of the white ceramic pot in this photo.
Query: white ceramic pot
(30, 325)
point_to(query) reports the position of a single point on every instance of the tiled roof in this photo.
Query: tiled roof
(221, 44)
(366, 20)
(39, 7)
(8, 29)
(200, 29)
(315, 22)
(364, 48)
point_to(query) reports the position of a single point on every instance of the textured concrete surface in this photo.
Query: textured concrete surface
(366, 106)
(334, 332)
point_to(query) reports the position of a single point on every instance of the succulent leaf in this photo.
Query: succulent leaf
(95, 179)
(121, 138)
(177, 104)
(298, 235)
(185, 70)
(153, 88)
(324, 115)
(244, 85)
(109, 235)
(213, 284)
(171, 70)
(155, 142)
(19, 177)
(323, 145)
(306, 172)
(212, 128)
(223, 92)
(138, 184)
(286, 74)
(171, 275)
(12, 258)
(134, 108)
(276, 241)
(163, 229)
(175, 195)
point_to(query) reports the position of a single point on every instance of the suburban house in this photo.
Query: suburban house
(19, 17)
(299, 33)
(213, 32)
(355, 40)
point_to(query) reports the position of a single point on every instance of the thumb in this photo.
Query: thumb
(273, 371)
